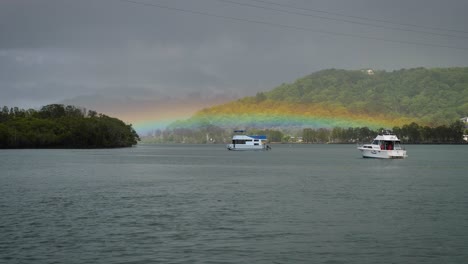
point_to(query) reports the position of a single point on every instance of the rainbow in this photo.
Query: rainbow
(149, 123)
(273, 114)
(146, 119)
(262, 120)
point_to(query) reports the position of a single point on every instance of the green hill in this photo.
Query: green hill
(349, 98)
(433, 96)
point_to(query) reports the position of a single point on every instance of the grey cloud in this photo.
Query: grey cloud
(63, 50)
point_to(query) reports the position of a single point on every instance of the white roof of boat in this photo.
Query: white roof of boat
(387, 137)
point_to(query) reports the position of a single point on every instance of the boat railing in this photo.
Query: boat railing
(386, 132)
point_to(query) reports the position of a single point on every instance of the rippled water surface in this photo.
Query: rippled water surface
(204, 204)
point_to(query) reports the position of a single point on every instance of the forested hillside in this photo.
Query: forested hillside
(424, 105)
(343, 98)
(59, 126)
(433, 96)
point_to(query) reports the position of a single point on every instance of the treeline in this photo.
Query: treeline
(60, 126)
(208, 134)
(411, 133)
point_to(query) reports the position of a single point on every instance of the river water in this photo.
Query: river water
(204, 204)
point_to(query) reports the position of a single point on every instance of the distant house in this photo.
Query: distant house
(465, 120)
(368, 71)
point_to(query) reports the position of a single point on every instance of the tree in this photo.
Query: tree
(323, 135)
(92, 113)
(412, 132)
(456, 131)
(260, 97)
(52, 111)
(60, 126)
(307, 135)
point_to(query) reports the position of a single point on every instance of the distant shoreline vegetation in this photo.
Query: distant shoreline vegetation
(60, 126)
(409, 134)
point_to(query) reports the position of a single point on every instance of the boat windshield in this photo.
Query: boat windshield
(397, 145)
(375, 142)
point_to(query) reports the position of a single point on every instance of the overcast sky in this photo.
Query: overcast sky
(100, 52)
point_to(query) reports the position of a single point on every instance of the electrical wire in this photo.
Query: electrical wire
(287, 26)
(362, 18)
(341, 20)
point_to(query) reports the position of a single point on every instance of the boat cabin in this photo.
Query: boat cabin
(245, 142)
(248, 140)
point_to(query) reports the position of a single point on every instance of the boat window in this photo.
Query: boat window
(397, 145)
(375, 142)
(241, 141)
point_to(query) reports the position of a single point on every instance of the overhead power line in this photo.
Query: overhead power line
(286, 26)
(335, 19)
(363, 18)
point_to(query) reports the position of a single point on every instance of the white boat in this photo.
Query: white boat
(385, 146)
(246, 142)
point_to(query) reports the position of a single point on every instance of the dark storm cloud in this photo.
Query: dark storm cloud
(54, 50)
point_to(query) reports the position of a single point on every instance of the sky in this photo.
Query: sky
(150, 62)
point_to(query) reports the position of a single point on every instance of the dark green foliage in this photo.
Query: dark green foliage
(412, 133)
(434, 96)
(59, 126)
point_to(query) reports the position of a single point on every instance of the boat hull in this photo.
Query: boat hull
(247, 147)
(383, 154)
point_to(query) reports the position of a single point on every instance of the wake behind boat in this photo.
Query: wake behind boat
(385, 146)
(248, 142)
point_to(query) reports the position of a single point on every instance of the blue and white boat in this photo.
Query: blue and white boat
(248, 142)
